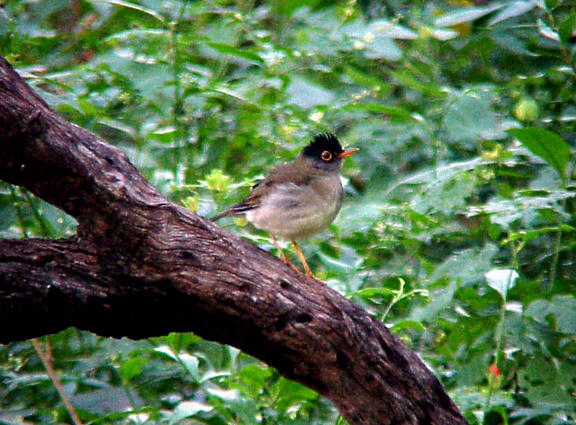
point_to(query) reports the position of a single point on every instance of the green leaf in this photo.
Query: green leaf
(561, 307)
(392, 111)
(465, 15)
(391, 30)
(501, 280)
(287, 7)
(407, 324)
(364, 78)
(546, 31)
(105, 400)
(7, 211)
(134, 6)
(374, 292)
(407, 78)
(541, 380)
(132, 367)
(254, 377)
(531, 234)
(566, 29)
(166, 350)
(467, 266)
(381, 47)
(306, 94)
(444, 195)
(439, 300)
(515, 8)
(547, 145)
(235, 51)
(138, 35)
(191, 363)
(188, 409)
(472, 117)
(289, 394)
(550, 4)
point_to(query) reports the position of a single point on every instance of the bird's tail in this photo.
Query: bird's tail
(236, 210)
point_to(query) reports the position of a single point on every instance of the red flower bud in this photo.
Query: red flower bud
(494, 370)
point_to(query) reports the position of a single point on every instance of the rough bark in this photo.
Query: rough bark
(140, 265)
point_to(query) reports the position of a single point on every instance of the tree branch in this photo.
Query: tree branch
(135, 252)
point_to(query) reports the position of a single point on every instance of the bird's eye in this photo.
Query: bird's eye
(326, 156)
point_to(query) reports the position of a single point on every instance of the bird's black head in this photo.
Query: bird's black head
(325, 152)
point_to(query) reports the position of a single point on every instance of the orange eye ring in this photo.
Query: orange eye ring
(326, 156)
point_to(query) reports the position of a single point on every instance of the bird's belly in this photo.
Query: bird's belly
(293, 216)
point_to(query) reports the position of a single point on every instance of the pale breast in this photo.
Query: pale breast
(292, 211)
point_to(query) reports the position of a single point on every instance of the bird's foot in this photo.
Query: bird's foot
(292, 266)
(307, 272)
(302, 259)
(317, 279)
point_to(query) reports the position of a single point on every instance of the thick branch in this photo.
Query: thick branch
(137, 253)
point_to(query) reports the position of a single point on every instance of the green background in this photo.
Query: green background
(458, 223)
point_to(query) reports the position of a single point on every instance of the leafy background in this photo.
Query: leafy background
(458, 226)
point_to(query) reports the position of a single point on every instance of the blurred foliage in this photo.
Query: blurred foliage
(458, 226)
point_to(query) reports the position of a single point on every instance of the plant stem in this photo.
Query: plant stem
(46, 358)
(500, 330)
(19, 213)
(177, 102)
(497, 356)
(399, 295)
(45, 355)
(45, 226)
(555, 259)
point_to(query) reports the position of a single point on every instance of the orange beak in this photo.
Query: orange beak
(347, 152)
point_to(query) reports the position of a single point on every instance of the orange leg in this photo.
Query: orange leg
(282, 255)
(279, 249)
(300, 255)
(302, 259)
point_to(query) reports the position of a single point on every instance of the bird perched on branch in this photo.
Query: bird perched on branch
(299, 198)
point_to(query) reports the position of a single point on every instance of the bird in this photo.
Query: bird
(299, 198)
